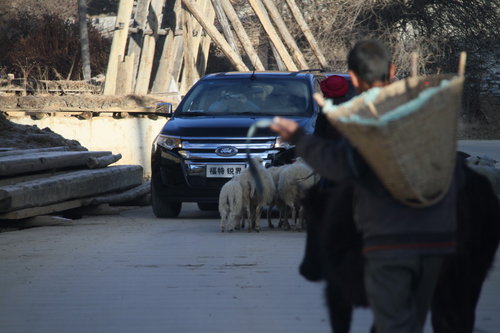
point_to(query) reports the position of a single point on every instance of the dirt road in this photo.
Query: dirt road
(135, 273)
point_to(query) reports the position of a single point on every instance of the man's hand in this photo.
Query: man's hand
(286, 128)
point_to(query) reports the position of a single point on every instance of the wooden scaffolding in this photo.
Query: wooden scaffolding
(162, 46)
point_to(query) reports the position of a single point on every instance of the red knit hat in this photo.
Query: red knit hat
(334, 86)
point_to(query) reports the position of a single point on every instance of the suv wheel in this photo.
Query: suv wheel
(163, 207)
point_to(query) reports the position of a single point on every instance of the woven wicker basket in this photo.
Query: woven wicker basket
(413, 153)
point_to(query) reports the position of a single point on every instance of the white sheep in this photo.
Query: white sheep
(275, 172)
(230, 205)
(293, 183)
(256, 201)
(244, 179)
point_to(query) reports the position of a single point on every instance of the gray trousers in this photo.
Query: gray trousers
(400, 291)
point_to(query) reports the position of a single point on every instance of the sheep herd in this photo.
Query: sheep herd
(283, 188)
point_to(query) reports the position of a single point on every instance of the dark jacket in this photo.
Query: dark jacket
(389, 228)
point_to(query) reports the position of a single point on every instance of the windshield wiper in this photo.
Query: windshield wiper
(196, 113)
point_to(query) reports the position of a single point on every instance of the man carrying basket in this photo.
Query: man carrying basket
(403, 246)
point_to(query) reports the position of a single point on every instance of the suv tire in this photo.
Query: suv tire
(163, 207)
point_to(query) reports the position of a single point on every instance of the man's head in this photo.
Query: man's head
(369, 64)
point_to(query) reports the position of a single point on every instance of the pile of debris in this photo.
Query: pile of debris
(19, 136)
(41, 181)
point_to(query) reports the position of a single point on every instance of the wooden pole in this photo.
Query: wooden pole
(297, 55)
(242, 35)
(84, 39)
(226, 28)
(171, 57)
(261, 13)
(205, 42)
(307, 32)
(148, 48)
(177, 60)
(216, 36)
(194, 38)
(279, 62)
(189, 73)
(124, 77)
(117, 52)
(136, 39)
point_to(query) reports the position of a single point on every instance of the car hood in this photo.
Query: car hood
(209, 126)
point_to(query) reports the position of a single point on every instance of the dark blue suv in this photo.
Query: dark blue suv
(203, 144)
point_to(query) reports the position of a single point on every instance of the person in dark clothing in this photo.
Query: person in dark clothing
(337, 88)
(463, 274)
(403, 246)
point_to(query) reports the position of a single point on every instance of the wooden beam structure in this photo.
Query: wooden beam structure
(216, 36)
(162, 46)
(136, 40)
(148, 47)
(171, 56)
(297, 55)
(242, 35)
(118, 45)
(263, 16)
(307, 32)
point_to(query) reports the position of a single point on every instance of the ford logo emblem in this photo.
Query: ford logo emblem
(226, 151)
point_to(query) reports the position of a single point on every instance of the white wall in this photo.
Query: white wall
(131, 137)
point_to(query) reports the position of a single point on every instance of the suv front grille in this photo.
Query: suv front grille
(204, 149)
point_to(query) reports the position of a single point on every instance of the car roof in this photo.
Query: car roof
(270, 74)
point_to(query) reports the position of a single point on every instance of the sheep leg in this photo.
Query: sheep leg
(258, 213)
(250, 222)
(302, 221)
(282, 215)
(269, 212)
(232, 223)
(222, 221)
(239, 222)
(286, 224)
(294, 217)
(249, 219)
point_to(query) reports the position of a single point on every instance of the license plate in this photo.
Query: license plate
(224, 171)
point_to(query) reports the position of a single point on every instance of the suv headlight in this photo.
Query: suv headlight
(168, 142)
(282, 144)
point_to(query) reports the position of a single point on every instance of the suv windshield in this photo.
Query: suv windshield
(266, 96)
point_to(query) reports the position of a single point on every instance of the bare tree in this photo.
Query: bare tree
(84, 39)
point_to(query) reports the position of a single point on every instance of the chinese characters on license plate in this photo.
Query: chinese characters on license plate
(224, 171)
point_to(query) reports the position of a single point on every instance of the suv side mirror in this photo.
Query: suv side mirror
(164, 109)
